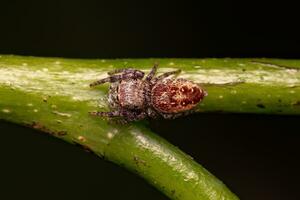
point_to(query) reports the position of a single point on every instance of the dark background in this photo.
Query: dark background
(256, 156)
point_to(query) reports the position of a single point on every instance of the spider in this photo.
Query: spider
(133, 97)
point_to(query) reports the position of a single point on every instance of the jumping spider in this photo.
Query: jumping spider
(133, 98)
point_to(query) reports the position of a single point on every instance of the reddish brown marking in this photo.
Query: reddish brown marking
(173, 103)
(184, 90)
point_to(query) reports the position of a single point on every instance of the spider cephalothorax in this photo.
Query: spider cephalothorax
(133, 98)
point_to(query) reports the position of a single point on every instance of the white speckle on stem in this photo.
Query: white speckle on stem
(24, 64)
(100, 105)
(57, 62)
(291, 71)
(110, 135)
(292, 91)
(103, 61)
(65, 72)
(5, 110)
(45, 69)
(75, 98)
(197, 66)
(35, 110)
(62, 114)
(115, 131)
(171, 63)
(29, 104)
(233, 92)
(221, 97)
(81, 138)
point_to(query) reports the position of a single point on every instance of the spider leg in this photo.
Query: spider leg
(127, 115)
(165, 75)
(110, 79)
(139, 116)
(152, 72)
(126, 70)
(135, 74)
(176, 115)
(152, 113)
(106, 114)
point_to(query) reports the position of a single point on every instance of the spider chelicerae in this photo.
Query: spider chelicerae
(132, 97)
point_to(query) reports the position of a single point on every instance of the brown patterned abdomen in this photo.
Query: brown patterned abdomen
(174, 96)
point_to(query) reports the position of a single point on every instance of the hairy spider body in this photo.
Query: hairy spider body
(131, 94)
(133, 98)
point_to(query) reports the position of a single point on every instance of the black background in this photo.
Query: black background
(256, 156)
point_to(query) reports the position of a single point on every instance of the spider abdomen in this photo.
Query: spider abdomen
(176, 95)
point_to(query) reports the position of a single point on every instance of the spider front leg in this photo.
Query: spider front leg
(126, 71)
(127, 74)
(110, 79)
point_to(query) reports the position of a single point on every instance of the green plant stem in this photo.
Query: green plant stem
(53, 95)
